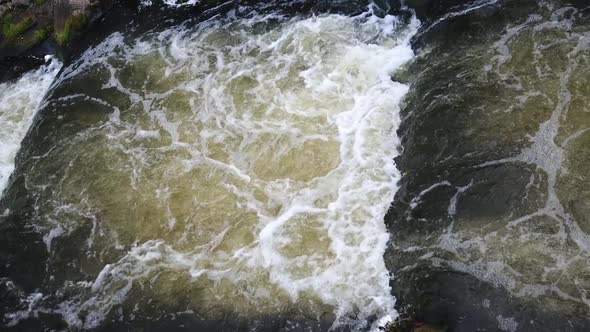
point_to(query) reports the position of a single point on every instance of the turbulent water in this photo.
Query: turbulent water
(19, 100)
(235, 171)
(494, 215)
(239, 165)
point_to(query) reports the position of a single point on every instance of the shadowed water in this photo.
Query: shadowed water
(493, 210)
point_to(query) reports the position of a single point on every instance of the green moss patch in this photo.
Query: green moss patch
(13, 30)
(40, 34)
(74, 23)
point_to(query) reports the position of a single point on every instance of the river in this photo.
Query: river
(295, 165)
(241, 164)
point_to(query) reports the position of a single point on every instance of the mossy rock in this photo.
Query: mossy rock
(12, 30)
(74, 24)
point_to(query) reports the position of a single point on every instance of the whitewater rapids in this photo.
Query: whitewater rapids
(242, 164)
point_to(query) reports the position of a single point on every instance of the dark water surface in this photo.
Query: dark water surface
(490, 226)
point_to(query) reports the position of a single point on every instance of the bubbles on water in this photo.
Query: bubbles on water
(531, 240)
(171, 3)
(245, 164)
(19, 101)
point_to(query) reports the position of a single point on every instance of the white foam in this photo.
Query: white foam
(170, 3)
(19, 101)
(322, 83)
(507, 323)
(31, 302)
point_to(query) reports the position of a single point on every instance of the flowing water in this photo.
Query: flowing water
(494, 212)
(242, 164)
(19, 101)
(238, 167)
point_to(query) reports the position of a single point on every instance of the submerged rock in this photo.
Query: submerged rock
(490, 227)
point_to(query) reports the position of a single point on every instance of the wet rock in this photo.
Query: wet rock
(28, 24)
(12, 68)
